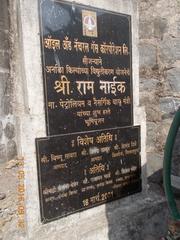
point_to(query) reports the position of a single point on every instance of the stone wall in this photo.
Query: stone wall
(159, 47)
(8, 148)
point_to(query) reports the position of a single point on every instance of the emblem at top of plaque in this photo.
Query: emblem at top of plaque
(89, 21)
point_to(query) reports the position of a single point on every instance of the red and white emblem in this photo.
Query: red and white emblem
(89, 20)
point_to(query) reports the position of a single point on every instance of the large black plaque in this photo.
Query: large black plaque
(82, 170)
(86, 55)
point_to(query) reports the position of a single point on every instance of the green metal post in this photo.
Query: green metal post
(167, 166)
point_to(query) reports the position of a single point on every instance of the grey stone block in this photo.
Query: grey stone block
(160, 27)
(147, 55)
(9, 130)
(177, 47)
(148, 84)
(6, 83)
(9, 87)
(4, 60)
(4, 15)
(7, 105)
(151, 134)
(3, 156)
(168, 50)
(169, 105)
(4, 40)
(3, 83)
(145, 29)
(153, 113)
(154, 161)
(173, 77)
(6, 91)
(1, 129)
(4, 76)
(11, 150)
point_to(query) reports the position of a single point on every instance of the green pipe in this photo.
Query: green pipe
(167, 166)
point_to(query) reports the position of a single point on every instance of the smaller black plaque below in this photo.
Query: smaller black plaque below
(82, 170)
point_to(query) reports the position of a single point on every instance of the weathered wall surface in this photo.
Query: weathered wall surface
(159, 33)
(8, 148)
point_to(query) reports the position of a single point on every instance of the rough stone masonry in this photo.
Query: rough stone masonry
(159, 34)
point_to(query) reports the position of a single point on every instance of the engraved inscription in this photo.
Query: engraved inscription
(87, 170)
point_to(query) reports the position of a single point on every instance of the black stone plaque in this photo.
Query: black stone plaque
(82, 170)
(86, 60)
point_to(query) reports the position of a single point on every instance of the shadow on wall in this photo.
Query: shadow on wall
(138, 217)
(146, 216)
